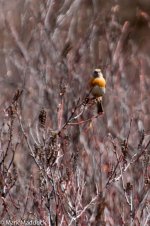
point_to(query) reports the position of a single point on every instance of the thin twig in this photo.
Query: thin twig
(83, 211)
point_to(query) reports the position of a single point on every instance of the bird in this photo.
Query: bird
(98, 88)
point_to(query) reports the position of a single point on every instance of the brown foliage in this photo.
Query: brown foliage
(60, 162)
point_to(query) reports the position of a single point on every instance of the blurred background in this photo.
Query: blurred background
(47, 46)
(45, 43)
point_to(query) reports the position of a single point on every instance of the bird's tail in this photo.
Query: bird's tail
(99, 106)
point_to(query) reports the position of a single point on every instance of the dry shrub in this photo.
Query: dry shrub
(60, 162)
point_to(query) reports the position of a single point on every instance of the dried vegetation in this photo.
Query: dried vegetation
(60, 162)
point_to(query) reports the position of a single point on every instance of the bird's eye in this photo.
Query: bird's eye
(95, 74)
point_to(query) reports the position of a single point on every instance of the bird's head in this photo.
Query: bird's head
(97, 73)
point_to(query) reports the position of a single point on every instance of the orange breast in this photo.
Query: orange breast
(101, 82)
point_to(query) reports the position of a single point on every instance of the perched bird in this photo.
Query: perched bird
(98, 88)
